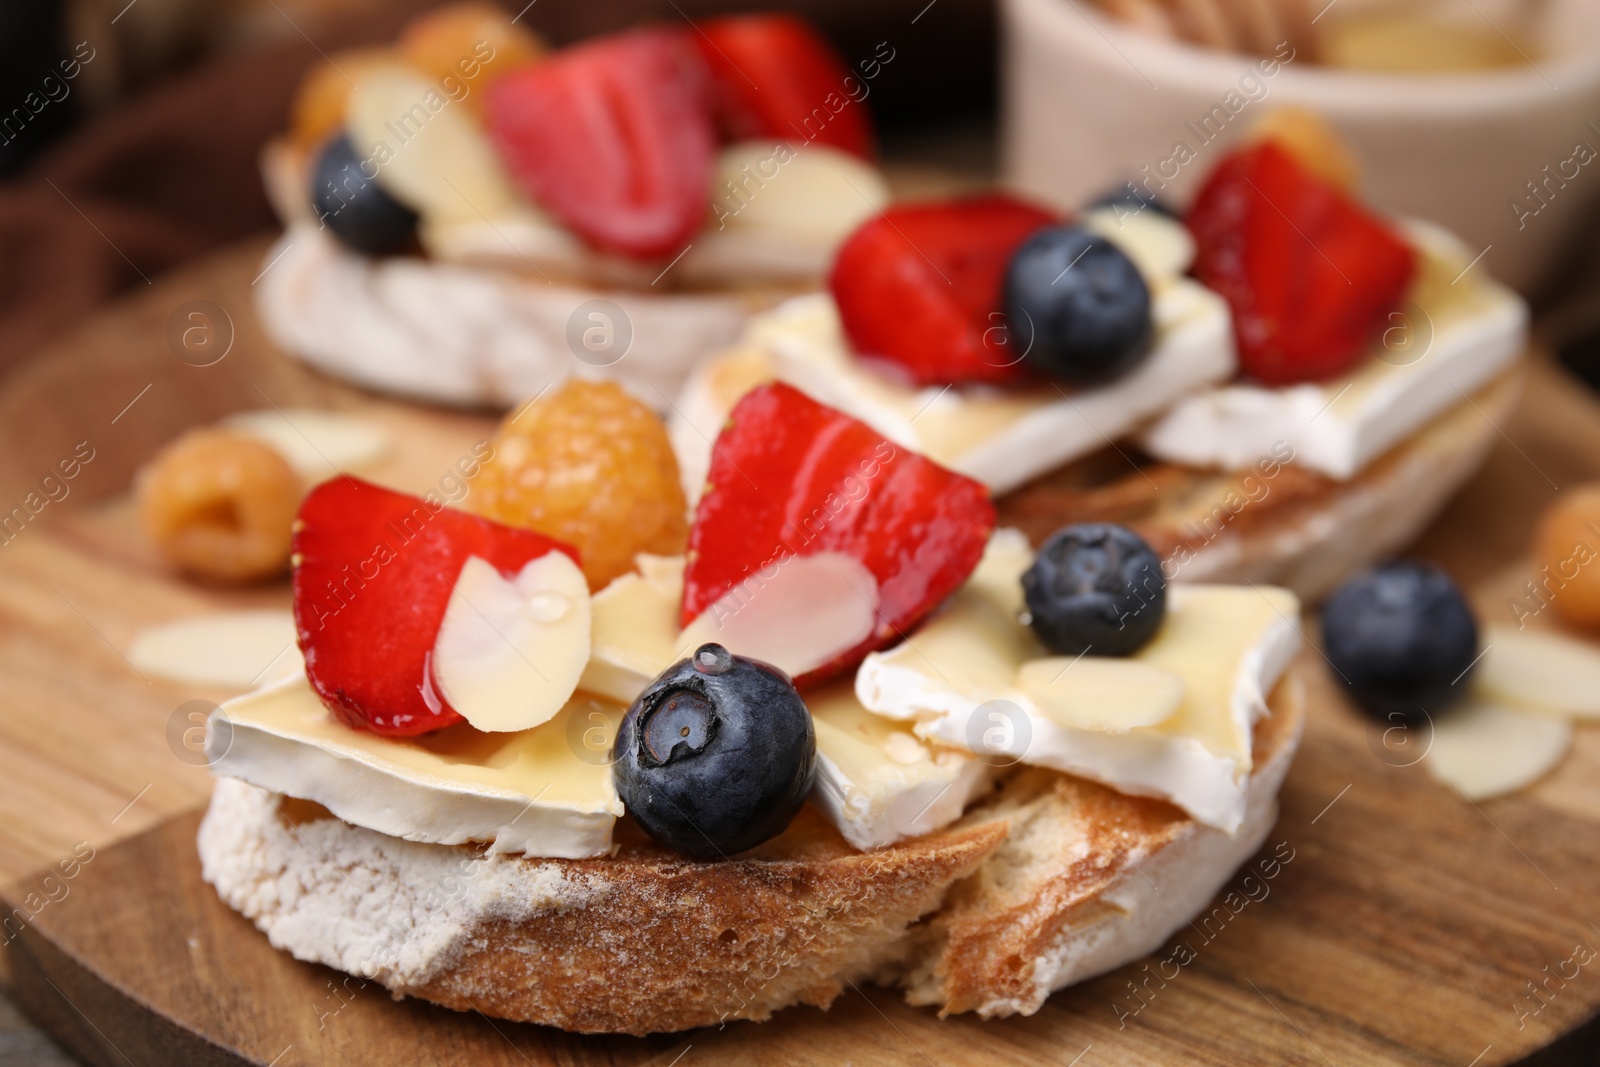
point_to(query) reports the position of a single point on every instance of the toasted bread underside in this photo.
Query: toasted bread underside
(1039, 884)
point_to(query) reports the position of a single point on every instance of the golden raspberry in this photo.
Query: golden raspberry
(1567, 550)
(1317, 145)
(218, 505)
(589, 465)
(319, 104)
(473, 44)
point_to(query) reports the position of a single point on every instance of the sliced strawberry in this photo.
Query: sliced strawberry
(615, 137)
(791, 477)
(373, 574)
(773, 76)
(919, 286)
(1309, 273)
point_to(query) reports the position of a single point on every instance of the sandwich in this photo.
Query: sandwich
(470, 214)
(843, 727)
(1279, 387)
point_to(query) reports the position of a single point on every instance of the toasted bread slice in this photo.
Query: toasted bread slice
(638, 942)
(1046, 877)
(1087, 880)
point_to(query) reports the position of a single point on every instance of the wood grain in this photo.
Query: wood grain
(1405, 930)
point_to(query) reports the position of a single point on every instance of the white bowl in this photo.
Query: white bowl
(1089, 103)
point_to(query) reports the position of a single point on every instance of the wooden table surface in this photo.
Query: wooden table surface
(1406, 932)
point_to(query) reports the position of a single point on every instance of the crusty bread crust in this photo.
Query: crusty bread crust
(639, 942)
(644, 941)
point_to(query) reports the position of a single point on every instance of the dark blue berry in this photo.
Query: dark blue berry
(1128, 198)
(1402, 639)
(1077, 306)
(716, 756)
(354, 206)
(1095, 587)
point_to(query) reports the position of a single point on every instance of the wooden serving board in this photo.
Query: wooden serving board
(1406, 928)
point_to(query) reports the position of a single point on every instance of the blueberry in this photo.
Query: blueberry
(354, 206)
(1129, 198)
(716, 755)
(1077, 305)
(1095, 587)
(1402, 639)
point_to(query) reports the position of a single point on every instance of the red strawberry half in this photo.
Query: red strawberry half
(773, 76)
(373, 574)
(919, 287)
(1309, 273)
(615, 137)
(793, 478)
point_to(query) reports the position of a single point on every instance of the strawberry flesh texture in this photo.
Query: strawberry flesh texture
(781, 466)
(1309, 274)
(614, 137)
(919, 287)
(772, 76)
(374, 571)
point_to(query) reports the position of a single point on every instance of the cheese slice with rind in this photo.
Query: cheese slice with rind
(958, 680)
(541, 792)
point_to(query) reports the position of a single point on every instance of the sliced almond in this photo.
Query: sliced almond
(1486, 749)
(1159, 246)
(812, 192)
(237, 649)
(430, 153)
(510, 651)
(1100, 693)
(318, 444)
(1540, 671)
(798, 613)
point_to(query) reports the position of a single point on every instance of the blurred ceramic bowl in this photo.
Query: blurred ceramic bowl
(1507, 158)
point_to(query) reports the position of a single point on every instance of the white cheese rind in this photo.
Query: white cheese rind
(876, 783)
(1339, 427)
(530, 793)
(1003, 438)
(1199, 760)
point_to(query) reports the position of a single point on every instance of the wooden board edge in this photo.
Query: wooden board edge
(78, 1009)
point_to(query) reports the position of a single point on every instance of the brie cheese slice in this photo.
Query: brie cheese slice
(969, 678)
(540, 792)
(1448, 341)
(877, 782)
(1002, 437)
